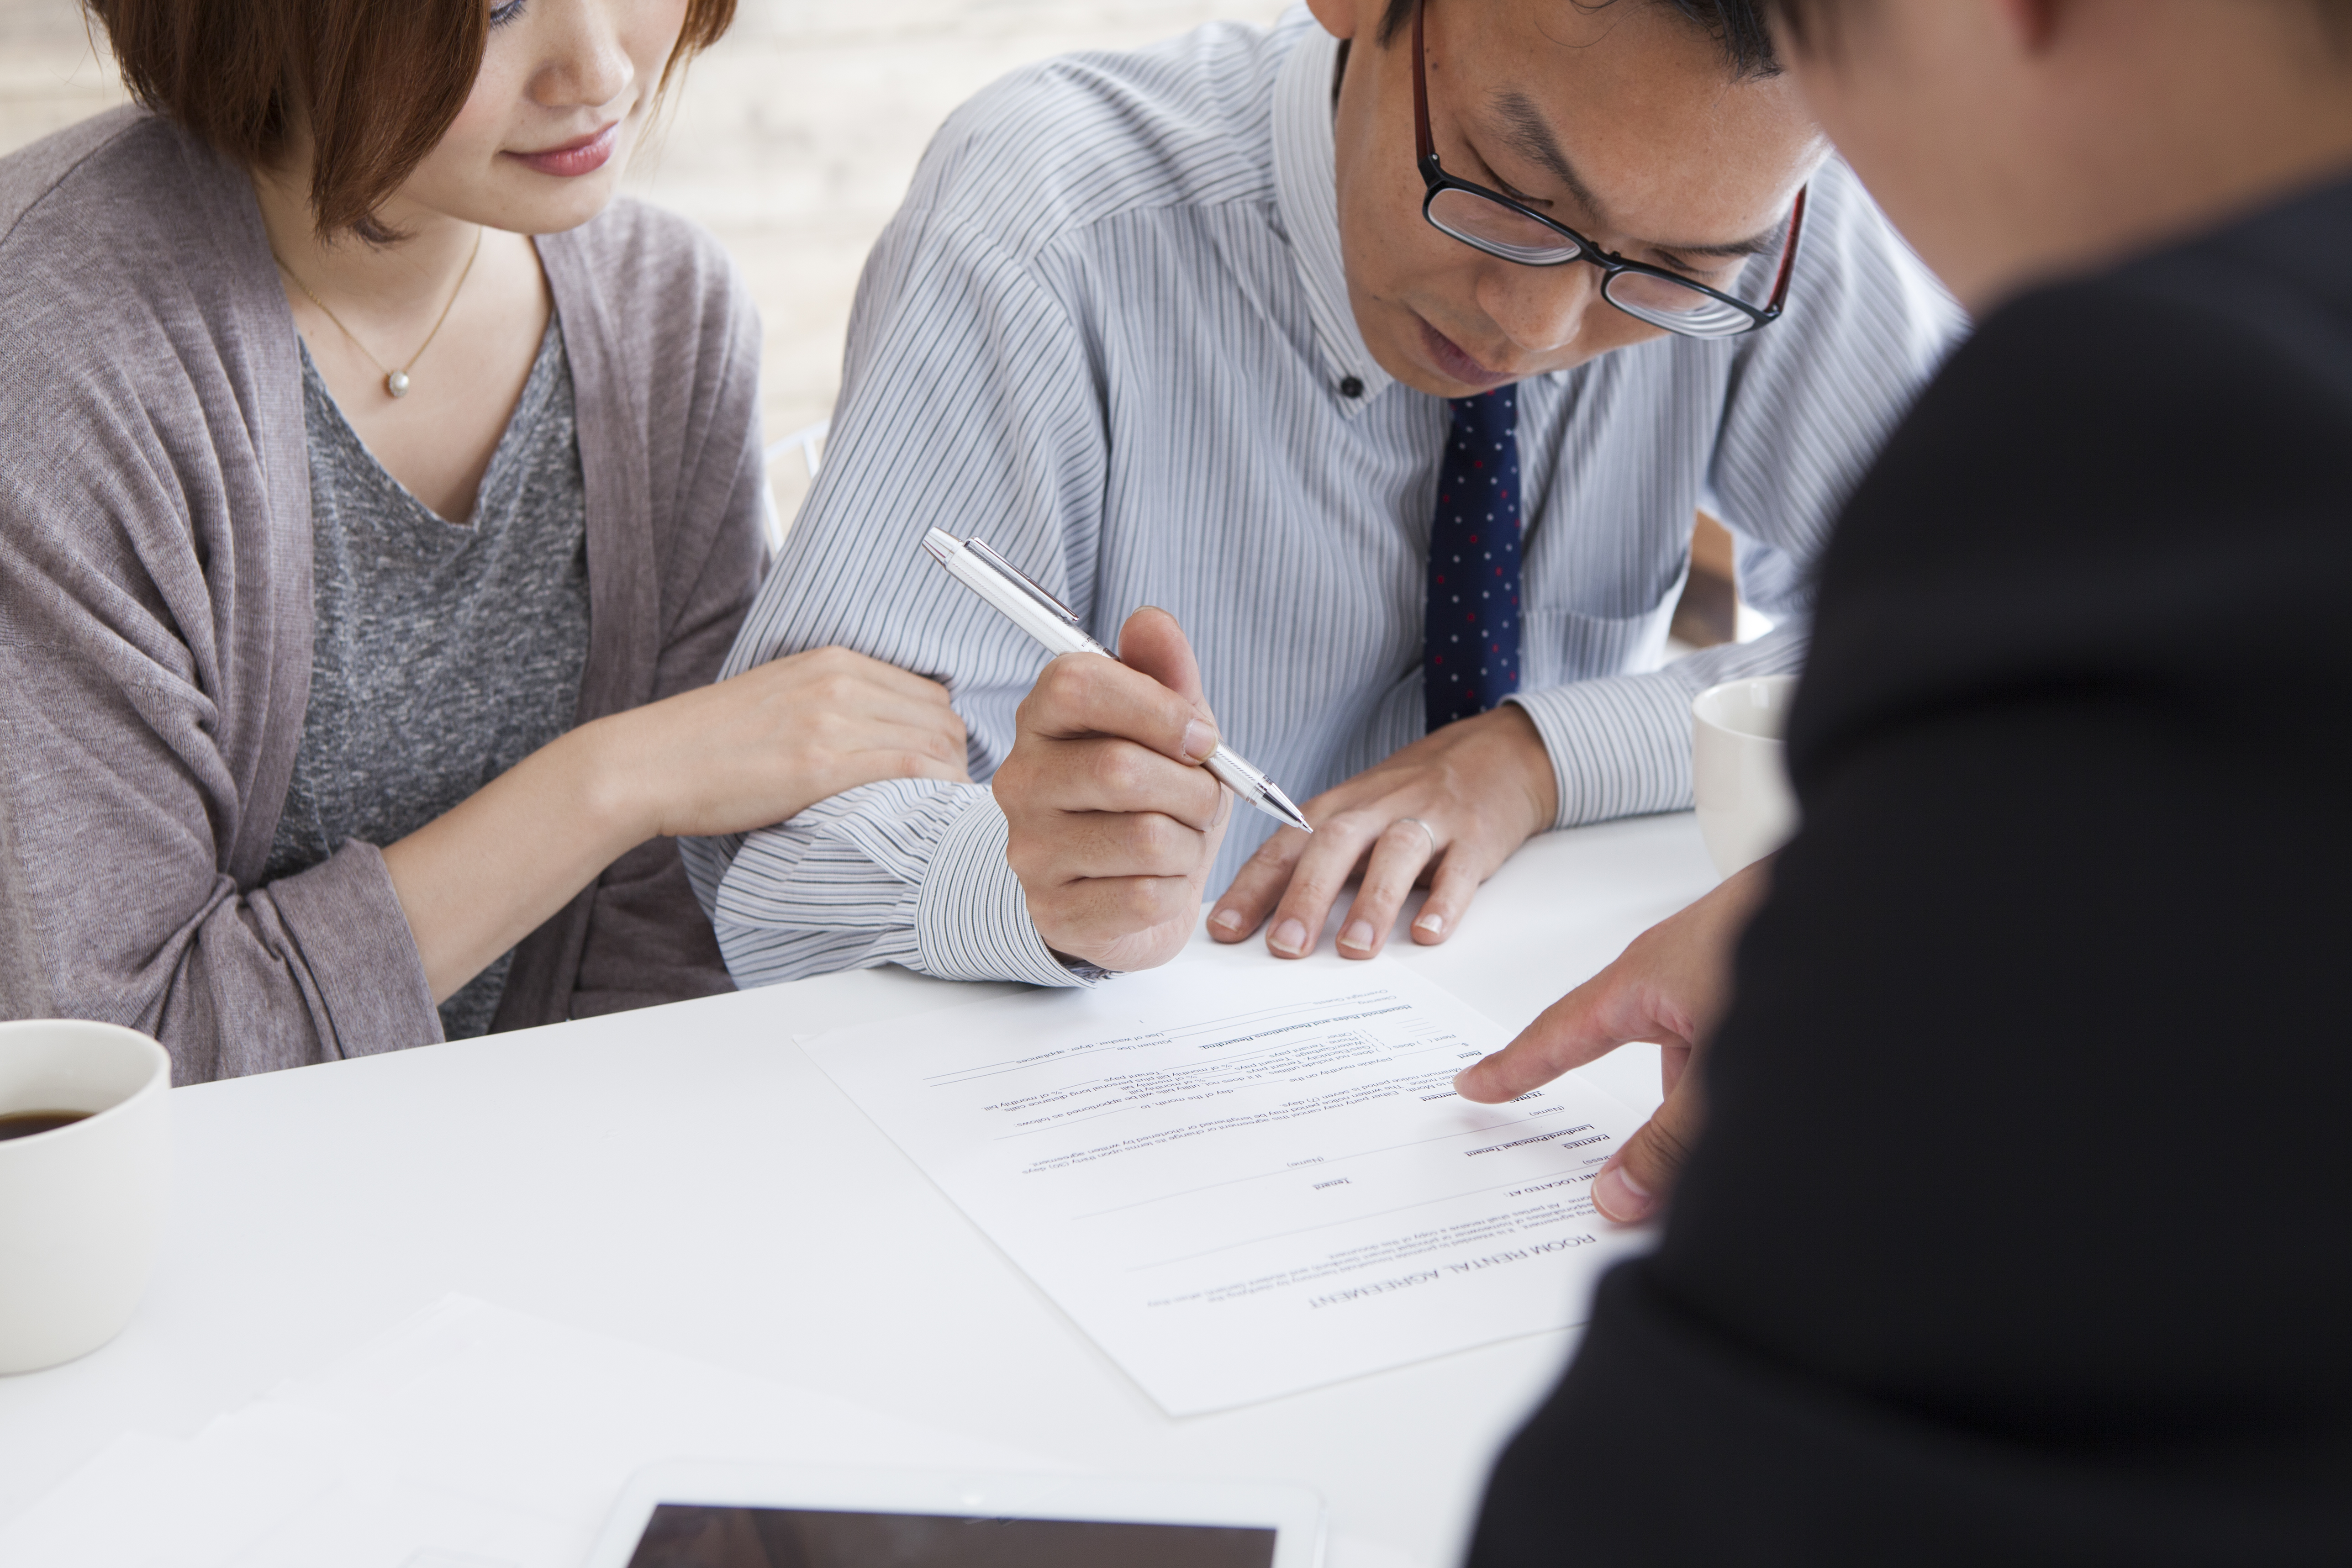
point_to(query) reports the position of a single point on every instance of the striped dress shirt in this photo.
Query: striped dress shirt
(1110, 332)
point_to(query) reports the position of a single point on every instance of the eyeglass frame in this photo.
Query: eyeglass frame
(1435, 180)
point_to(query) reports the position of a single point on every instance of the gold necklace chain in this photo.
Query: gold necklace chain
(395, 381)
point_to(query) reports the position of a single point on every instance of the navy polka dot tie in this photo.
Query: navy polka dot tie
(1471, 637)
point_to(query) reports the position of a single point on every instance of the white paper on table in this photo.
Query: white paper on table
(469, 1437)
(1245, 1179)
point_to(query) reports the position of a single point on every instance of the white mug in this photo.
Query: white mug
(1739, 769)
(82, 1204)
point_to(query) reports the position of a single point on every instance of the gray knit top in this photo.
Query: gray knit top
(443, 653)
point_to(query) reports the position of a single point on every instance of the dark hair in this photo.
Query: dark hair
(378, 81)
(1742, 26)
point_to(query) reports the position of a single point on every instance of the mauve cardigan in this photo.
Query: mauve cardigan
(155, 610)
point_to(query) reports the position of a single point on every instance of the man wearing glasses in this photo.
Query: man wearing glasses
(1387, 360)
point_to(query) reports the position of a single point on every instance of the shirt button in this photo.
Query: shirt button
(1351, 386)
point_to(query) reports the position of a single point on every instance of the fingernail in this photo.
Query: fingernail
(1431, 924)
(1290, 937)
(1199, 742)
(1359, 935)
(1620, 1197)
(1227, 920)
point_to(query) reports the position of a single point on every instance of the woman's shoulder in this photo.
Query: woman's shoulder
(127, 249)
(112, 196)
(136, 285)
(101, 156)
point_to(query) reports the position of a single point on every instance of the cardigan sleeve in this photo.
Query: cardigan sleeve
(155, 626)
(125, 785)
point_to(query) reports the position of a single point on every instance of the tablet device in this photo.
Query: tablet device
(698, 1514)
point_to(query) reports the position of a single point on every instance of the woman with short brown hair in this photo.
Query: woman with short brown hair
(378, 497)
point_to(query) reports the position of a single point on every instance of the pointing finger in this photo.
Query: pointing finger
(1572, 1031)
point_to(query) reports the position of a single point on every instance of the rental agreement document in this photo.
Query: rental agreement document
(1245, 1179)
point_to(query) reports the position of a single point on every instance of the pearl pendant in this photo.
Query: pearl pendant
(397, 383)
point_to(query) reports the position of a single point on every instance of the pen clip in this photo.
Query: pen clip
(1021, 579)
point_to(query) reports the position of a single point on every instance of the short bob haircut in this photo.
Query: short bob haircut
(378, 81)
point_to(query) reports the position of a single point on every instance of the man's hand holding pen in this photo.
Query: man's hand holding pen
(1112, 822)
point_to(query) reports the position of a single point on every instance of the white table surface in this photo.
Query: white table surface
(686, 1178)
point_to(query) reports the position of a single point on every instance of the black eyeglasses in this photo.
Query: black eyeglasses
(1500, 227)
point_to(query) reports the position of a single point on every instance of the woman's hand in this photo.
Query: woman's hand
(773, 742)
(727, 758)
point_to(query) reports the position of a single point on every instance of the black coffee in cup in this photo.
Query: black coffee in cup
(81, 1214)
(25, 1123)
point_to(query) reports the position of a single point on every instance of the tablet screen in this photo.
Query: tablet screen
(692, 1536)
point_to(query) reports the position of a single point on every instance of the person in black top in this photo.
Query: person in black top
(2017, 1221)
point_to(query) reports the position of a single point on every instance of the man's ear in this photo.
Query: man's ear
(1348, 18)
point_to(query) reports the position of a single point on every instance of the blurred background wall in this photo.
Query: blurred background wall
(792, 140)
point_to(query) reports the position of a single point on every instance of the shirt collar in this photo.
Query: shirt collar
(1306, 191)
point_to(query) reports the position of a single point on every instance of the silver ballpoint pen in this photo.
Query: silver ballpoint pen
(1015, 595)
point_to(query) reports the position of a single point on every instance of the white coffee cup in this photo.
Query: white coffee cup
(1739, 769)
(81, 1205)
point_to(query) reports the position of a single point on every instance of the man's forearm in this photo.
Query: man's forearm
(906, 872)
(1621, 745)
